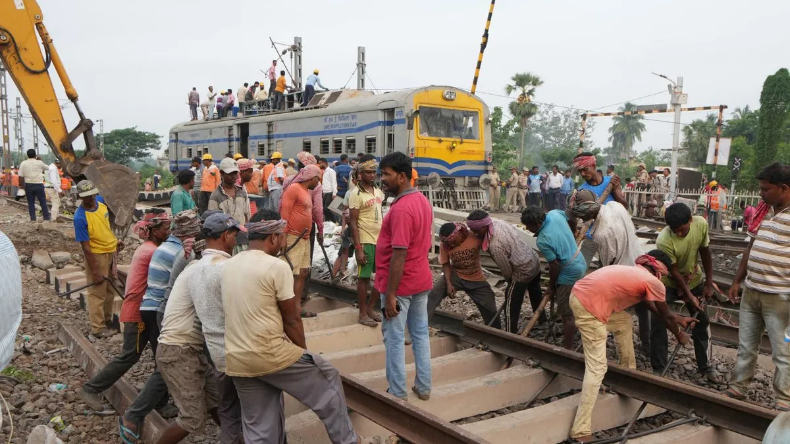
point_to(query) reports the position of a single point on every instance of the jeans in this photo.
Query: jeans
(35, 191)
(563, 201)
(534, 199)
(700, 334)
(713, 220)
(193, 110)
(552, 196)
(279, 100)
(414, 313)
(760, 311)
(202, 205)
(274, 199)
(309, 92)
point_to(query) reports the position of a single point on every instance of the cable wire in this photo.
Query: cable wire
(631, 100)
(373, 84)
(349, 78)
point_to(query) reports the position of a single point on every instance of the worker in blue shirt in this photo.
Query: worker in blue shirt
(309, 89)
(343, 170)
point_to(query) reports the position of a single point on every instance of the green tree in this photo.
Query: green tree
(625, 131)
(696, 138)
(553, 136)
(505, 152)
(744, 122)
(522, 109)
(774, 108)
(127, 144)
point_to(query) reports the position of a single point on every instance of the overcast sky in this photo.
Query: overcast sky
(133, 62)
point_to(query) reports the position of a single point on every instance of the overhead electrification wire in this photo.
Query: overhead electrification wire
(349, 78)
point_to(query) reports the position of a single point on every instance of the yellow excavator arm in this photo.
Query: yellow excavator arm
(21, 26)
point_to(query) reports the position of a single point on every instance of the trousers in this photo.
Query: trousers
(494, 197)
(511, 199)
(313, 382)
(309, 92)
(534, 199)
(516, 292)
(54, 199)
(414, 313)
(33, 192)
(155, 387)
(99, 299)
(480, 293)
(700, 334)
(759, 312)
(594, 333)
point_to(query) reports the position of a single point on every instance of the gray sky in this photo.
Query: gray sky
(134, 62)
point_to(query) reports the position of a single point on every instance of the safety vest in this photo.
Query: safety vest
(714, 200)
(65, 182)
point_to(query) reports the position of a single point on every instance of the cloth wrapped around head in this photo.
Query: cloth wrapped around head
(305, 174)
(245, 164)
(266, 227)
(186, 227)
(150, 220)
(485, 223)
(584, 162)
(581, 204)
(306, 158)
(455, 238)
(659, 269)
(370, 165)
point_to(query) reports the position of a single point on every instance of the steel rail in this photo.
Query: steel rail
(411, 423)
(737, 416)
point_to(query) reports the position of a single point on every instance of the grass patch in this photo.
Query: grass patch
(22, 375)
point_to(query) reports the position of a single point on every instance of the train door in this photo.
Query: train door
(389, 131)
(243, 131)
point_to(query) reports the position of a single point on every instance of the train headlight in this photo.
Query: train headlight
(489, 157)
(448, 95)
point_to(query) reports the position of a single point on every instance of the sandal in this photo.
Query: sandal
(307, 314)
(733, 393)
(368, 322)
(124, 431)
(375, 316)
(714, 376)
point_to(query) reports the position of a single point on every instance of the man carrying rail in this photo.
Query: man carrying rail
(598, 302)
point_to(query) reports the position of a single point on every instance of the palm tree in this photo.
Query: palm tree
(626, 130)
(696, 139)
(522, 109)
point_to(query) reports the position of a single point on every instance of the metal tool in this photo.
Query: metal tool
(624, 436)
(112, 284)
(326, 258)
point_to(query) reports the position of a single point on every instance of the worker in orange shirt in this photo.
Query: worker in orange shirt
(15, 184)
(209, 182)
(267, 170)
(717, 200)
(414, 177)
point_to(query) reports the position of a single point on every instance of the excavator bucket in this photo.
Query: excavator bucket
(118, 185)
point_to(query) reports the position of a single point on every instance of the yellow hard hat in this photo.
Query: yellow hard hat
(277, 155)
(315, 71)
(207, 156)
(237, 156)
(713, 183)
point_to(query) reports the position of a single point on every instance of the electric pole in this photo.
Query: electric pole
(361, 68)
(6, 147)
(678, 100)
(20, 139)
(35, 136)
(101, 135)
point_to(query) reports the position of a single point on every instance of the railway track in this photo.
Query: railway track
(466, 362)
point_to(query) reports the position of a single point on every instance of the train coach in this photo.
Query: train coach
(445, 130)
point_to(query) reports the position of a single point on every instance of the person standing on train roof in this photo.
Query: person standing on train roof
(241, 93)
(194, 99)
(261, 94)
(343, 171)
(212, 102)
(279, 92)
(230, 104)
(596, 182)
(208, 183)
(220, 101)
(309, 89)
(272, 75)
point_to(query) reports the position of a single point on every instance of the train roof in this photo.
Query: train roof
(356, 101)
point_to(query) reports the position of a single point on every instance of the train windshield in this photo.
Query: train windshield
(449, 123)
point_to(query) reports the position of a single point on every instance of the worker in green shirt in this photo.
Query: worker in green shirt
(181, 199)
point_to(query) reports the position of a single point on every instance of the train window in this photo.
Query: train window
(183, 152)
(307, 145)
(370, 144)
(279, 145)
(261, 148)
(337, 146)
(449, 123)
(198, 154)
(351, 145)
(324, 146)
(189, 153)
